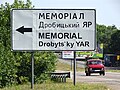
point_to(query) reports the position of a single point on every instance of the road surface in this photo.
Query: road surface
(111, 79)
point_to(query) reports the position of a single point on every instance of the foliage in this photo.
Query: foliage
(7, 67)
(115, 42)
(44, 62)
(15, 67)
(8, 62)
(104, 36)
(43, 65)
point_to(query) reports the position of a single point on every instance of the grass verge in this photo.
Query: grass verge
(59, 86)
(118, 71)
(66, 67)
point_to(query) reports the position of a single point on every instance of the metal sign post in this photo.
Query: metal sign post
(71, 64)
(32, 63)
(74, 79)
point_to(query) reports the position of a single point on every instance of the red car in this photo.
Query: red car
(94, 66)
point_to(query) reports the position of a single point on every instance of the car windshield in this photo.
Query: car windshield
(94, 62)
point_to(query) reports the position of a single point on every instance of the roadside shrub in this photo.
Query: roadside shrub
(15, 67)
(44, 62)
(8, 67)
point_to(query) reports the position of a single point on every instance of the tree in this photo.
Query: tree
(8, 62)
(104, 35)
(115, 43)
(8, 67)
(45, 63)
(15, 67)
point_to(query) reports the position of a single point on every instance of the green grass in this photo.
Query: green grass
(49, 85)
(113, 71)
(62, 66)
(59, 86)
(66, 67)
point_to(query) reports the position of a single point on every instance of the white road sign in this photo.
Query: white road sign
(68, 54)
(53, 29)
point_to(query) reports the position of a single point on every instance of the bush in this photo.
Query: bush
(44, 62)
(15, 67)
(8, 67)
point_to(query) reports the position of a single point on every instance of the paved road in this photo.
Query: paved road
(111, 79)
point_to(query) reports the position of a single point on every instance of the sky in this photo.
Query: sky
(107, 11)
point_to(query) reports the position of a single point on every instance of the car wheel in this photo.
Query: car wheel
(103, 73)
(89, 73)
(86, 74)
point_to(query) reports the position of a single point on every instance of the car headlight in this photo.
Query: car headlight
(102, 69)
(90, 69)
